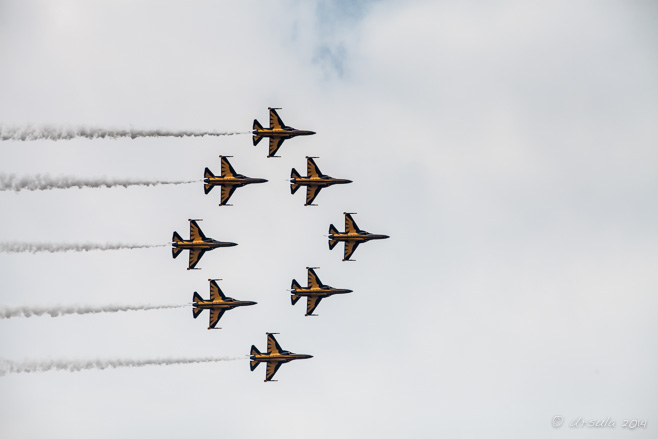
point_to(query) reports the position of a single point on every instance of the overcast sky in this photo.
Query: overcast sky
(509, 149)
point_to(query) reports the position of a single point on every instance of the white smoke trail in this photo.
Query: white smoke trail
(50, 247)
(60, 133)
(9, 182)
(56, 311)
(31, 366)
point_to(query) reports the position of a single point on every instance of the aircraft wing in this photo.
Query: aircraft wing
(275, 120)
(227, 191)
(350, 224)
(195, 232)
(272, 345)
(227, 169)
(272, 367)
(350, 247)
(216, 293)
(312, 170)
(311, 193)
(195, 257)
(275, 144)
(215, 315)
(312, 303)
(313, 279)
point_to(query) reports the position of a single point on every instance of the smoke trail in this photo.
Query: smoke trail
(56, 311)
(35, 247)
(59, 133)
(45, 182)
(8, 366)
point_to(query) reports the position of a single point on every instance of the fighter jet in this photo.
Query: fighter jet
(314, 292)
(217, 304)
(314, 181)
(352, 237)
(274, 357)
(198, 244)
(277, 132)
(229, 180)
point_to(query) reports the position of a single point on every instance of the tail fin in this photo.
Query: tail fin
(294, 298)
(254, 351)
(257, 138)
(196, 311)
(294, 186)
(333, 230)
(295, 286)
(332, 243)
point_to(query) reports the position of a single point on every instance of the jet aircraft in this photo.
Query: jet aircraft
(198, 244)
(274, 357)
(277, 132)
(314, 181)
(218, 304)
(229, 180)
(352, 237)
(314, 292)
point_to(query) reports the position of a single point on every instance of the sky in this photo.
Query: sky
(509, 149)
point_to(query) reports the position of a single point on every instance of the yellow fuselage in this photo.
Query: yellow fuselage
(216, 181)
(350, 237)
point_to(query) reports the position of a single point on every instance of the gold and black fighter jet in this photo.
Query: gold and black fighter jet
(217, 304)
(277, 132)
(198, 244)
(352, 237)
(229, 180)
(274, 357)
(314, 292)
(314, 181)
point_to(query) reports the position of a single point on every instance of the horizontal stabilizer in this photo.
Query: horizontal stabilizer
(295, 285)
(333, 230)
(208, 173)
(197, 297)
(332, 243)
(207, 187)
(175, 251)
(294, 174)
(196, 312)
(176, 238)
(294, 298)
(293, 187)
(254, 364)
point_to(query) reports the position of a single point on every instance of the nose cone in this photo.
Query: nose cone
(259, 180)
(230, 244)
(305, 356)
(344, 291)
(249, 303)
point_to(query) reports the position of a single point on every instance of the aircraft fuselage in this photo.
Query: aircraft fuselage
(204, 245)
(285, 133)
(321, 292)
(360, 237)
(208, 304)
(306, 181)
(233, 181)
(279, 357)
